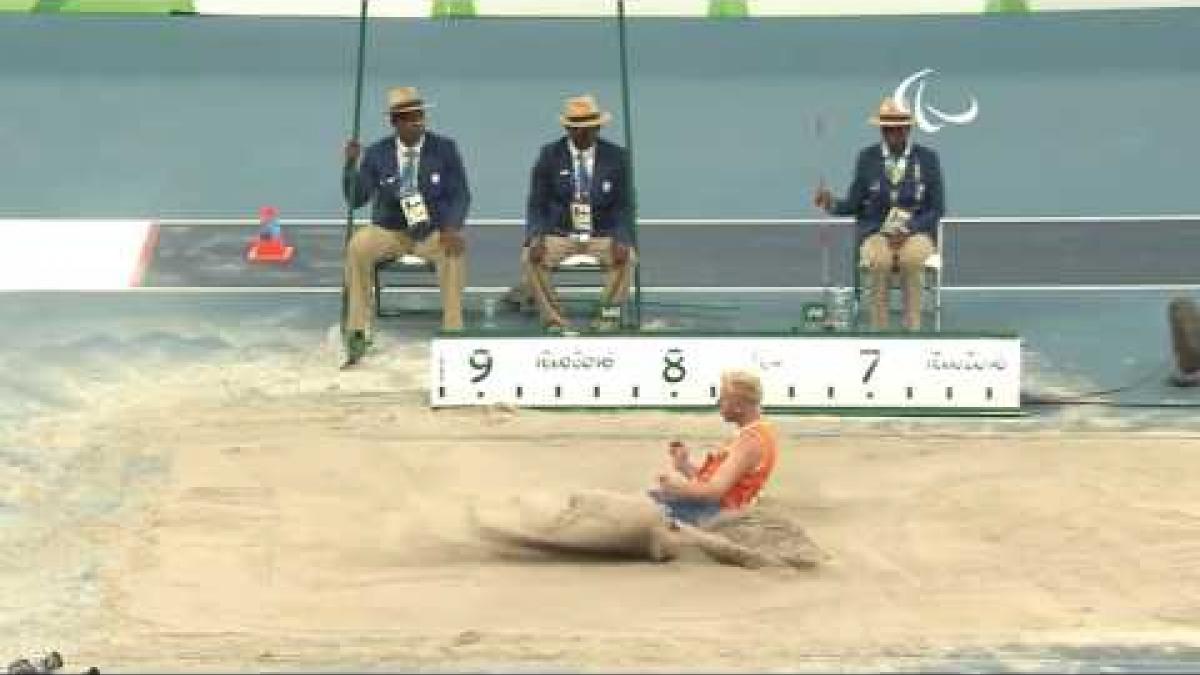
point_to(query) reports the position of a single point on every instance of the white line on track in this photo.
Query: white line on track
(967, 220)
(682, 290)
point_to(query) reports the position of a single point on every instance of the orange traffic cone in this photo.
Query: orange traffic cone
(268, 246)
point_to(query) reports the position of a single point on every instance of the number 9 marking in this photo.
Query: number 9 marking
(481, 362)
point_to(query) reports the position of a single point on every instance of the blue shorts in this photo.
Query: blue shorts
(685, 510)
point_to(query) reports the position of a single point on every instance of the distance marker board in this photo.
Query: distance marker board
(799, 371)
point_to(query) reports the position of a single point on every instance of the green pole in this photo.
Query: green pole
(637, 270)
(354, 134)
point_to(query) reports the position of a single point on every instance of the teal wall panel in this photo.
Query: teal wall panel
(213, 116)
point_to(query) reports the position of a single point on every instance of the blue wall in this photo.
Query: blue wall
(204, 116)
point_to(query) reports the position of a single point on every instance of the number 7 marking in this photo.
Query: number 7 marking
(874, 363)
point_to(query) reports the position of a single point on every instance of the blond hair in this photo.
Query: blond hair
(744, 384)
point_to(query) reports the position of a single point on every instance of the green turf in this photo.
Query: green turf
(726, 9)
(1006, 6)
(453, 8)
(16, 5)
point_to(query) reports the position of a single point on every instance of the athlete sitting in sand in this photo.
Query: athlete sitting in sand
(611, 523)
(730, 479)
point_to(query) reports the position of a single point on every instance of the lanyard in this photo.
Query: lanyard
(583, 180)
(408, 170)
(894, 170)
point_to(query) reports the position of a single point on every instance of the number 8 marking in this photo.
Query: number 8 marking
(673, 371)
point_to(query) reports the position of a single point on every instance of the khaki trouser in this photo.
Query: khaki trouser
(557, 249)
(1185, 334)
(372, 243)
(881, 261)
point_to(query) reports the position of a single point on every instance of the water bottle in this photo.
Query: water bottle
(842, 312)
(489, 312)
(815, 315)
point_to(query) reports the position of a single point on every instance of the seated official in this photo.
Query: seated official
(580, 202)
(730, 479)
(420, 192)
(897, 199)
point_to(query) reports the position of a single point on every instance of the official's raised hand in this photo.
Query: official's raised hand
(352, 151)
(823, 198)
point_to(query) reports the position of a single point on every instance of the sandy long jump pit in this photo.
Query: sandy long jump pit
(287, 516)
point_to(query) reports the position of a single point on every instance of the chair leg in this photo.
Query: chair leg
(378, 295)
(856, 314)
(933, 284)
(937, 301)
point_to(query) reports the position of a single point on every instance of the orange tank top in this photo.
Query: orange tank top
(746, 488)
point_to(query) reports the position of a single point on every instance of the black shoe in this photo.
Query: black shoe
(356, 347)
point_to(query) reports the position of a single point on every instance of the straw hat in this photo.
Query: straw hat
(405, 99)
(892, 114)
(583, 111)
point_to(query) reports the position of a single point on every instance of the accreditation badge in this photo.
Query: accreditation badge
(581, 217)
(413, 206)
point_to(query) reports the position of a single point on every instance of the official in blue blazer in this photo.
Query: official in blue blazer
(580, 201)
(897, 199)
(420, 199)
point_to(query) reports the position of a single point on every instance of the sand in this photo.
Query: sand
(282, 515)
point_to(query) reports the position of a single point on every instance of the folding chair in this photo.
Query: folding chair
(582, 270)
(577, 271)
(405, 271)
(413, 271)
(577, 264)
(931, 286)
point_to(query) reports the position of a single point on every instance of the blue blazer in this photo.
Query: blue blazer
(551, 188)
(870, 195)
(441, 179)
